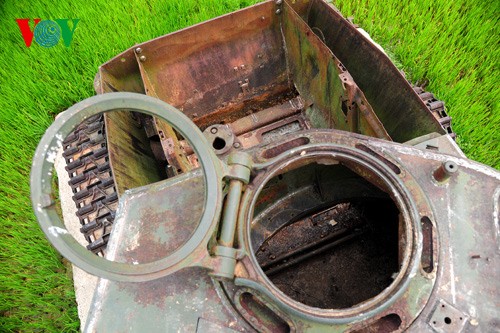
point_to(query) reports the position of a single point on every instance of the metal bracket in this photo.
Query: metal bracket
(245, 86)
(446, 318)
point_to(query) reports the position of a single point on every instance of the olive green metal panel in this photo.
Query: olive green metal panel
(153, 223)
(130, 155)
(397, 106)
(320, 78)
(185, 302)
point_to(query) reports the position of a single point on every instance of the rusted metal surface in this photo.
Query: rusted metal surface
(253, 60)
(171, 151)
(267, 116)
(162, 222)
(213, 71)
(395, 103)
(254, 128)
(250, 61)
(272, 132)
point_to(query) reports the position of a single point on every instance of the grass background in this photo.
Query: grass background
(451, 44)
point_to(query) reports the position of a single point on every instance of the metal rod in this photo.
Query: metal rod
(267, 116)
(306, 247)
(313, 253)
(230, 213)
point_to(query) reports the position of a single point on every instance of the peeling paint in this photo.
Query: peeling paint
(56, 231)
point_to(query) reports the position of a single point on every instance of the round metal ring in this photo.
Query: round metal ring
(53, 227)
(400, 195)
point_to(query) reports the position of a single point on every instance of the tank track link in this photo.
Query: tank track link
(436, 108)
(91, 180)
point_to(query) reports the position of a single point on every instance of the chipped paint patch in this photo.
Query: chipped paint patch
(406, 150)
(51, 155)
(57, 231)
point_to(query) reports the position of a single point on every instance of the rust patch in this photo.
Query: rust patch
(281, 148)
(156, 222)
(229, 112)
(160, 292)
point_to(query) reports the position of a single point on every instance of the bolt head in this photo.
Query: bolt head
(213, 130)
(278, 11)
(279, 2)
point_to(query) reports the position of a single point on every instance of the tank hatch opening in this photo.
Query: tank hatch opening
(327, 237)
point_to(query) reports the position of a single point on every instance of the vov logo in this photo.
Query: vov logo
(47, 33)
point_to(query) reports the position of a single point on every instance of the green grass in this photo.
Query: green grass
(452, 44)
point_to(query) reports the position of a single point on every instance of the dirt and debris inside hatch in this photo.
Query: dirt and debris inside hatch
(337, 257)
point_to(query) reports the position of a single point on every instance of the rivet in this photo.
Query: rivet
(236, 145)
(278, 11)
(138, 50)
(279, 2)
(142, 58)
(213, 130)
